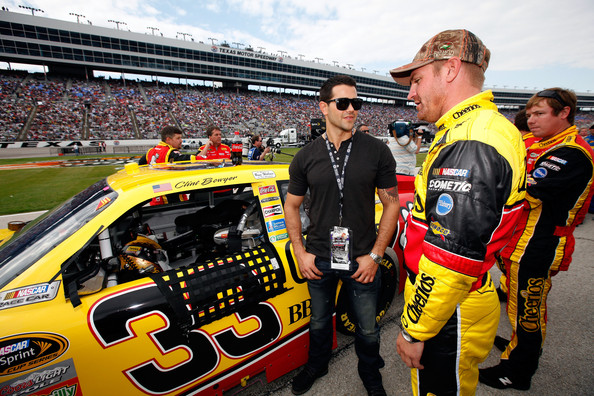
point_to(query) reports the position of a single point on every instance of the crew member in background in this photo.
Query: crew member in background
(467, 194)
(167, 150)
(521, 122)
(256, 153)
(558, 194)
(214, 149)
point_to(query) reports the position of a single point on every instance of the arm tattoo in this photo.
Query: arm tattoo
(390, 194)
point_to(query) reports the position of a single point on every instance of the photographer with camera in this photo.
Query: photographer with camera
(404, 143)
(256, 153)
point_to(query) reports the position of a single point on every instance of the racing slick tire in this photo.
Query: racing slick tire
(390, 280)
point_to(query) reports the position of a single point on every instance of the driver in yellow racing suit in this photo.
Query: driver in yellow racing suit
(468, 196)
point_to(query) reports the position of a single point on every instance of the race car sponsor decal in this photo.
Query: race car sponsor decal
(267, 190)
(451, 172)
(539, 173)
(267, 174)
(23, 352)
(205, 181)
(551, 166)
(279, 237)
(104, 202)
(59, 379)
(438, 229)
(273, 210)
(276, 225)
(159, 188)
(557, 159)
(530, 320)
(29, 295)
(445, 204)
(270, 199)
(449, 185)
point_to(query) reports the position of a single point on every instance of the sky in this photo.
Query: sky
(535, 44)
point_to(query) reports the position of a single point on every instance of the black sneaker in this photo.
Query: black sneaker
(376, 391)
(500, 377)
(305, 379)
(501, 343)
(501, 294)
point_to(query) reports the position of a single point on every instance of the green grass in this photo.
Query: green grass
(29, 190)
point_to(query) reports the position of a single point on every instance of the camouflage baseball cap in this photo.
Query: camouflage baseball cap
(445, 45)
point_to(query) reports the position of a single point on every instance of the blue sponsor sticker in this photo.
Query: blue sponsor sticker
(276, 225)
(539, 173)
(445, 204)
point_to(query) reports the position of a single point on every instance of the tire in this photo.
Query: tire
(278, 145)
(390, 280)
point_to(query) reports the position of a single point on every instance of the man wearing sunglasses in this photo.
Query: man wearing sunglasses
(342, 170)
(559, 191)
(467, 194)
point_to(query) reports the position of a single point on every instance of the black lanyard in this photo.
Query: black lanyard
(339, 178)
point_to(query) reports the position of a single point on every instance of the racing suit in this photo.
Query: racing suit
(221, 152)
(528, 139)
(559, 191)
(160, 154)
(163, 153)
(468, 196)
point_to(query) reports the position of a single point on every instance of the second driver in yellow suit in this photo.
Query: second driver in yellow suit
(468, 196)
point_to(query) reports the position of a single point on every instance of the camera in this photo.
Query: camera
(399, 128)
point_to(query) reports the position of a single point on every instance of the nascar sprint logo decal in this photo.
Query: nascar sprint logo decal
(22, 352)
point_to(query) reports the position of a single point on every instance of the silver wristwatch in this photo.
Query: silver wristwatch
(407, 337)
(376, 258)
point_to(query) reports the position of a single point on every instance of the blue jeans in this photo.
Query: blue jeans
(363, 300)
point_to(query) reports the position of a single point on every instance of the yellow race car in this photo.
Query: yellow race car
(164, 280)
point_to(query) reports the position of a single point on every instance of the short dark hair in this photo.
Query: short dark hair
(521, 121)
(170, 131)
(358, 129)
(329, 84)
(255, 138)
(567, 95)
(211, 129)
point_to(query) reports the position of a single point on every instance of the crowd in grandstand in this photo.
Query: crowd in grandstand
(44, 107)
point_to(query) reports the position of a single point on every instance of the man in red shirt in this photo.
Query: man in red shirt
(167, 150)
(214, 149)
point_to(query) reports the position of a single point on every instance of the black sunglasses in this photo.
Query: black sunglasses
(549, 93)
(343, 103)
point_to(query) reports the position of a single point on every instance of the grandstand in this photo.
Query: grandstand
(70, 103)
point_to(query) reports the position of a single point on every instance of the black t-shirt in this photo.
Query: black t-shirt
(370, 166)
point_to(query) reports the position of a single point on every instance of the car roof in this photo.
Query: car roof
(134, 175)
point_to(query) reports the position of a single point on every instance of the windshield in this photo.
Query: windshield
(34, 242)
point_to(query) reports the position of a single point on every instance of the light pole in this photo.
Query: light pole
(184, 34)
(153, 29)
(212, 40)
(118, 23)
(261, 49)
(237, 44)
(300, 56)
(281, 52)
(335, 63)
(319, 59)
(78, 16)
(31, 9)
